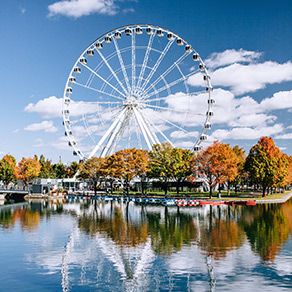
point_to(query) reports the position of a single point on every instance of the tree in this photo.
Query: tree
(241, 173)
(72, 169)
(28, 169)
(47, 170)
(127, 164)
(60, 170)
(217, 164)
(7, 169)
(93, 169)
(160, 161)
(288, 180)
(267, 166)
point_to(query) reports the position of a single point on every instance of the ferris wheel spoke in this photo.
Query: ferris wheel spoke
(158, 130)
(173, 110)
(98, 90)
(167, 71)
(173, 83)
(133, 60)
(173, 124)
(112, 71)
(145, 60)
(104, 80)
(159, 60)
(112, 128)
(166, 97)
(147, 127)
(143, 130)
(122, 64)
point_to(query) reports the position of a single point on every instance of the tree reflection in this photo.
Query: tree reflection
(219, 233)
(172, 232)
(116, 226)
(268, 228)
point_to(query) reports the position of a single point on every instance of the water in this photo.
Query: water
(98, 246)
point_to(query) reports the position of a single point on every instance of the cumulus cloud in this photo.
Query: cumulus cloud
(231, 56)
(240, 72)
(242, 78)
(51, 107)
(280, 100)
(45, 126)
(78, 8)
(246, 133)
(284, 136)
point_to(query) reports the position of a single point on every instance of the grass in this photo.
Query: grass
(240, 196)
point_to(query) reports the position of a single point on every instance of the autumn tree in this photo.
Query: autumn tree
(217, 164)
(7, 169)
(267, 166)
(288, 180)
(127, 164)
(93, 169)
(28, 169)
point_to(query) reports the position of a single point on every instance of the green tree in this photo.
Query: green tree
(60, 170)
(47, 170)
(160, 163)
(241, 173)
(7, 169)
(266, 165)
(73, 168)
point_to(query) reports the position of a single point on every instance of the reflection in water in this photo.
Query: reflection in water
(268, 228)
(127, 247)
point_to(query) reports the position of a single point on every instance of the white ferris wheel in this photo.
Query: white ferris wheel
(133, 87)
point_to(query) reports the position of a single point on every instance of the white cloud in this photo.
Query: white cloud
(51, 107)
(231, 56)
(238, 71)
(78, 8)
(284, 136)
(46, 126)
(184, 135)
(280, 100)
(246, 133)
(249, 78)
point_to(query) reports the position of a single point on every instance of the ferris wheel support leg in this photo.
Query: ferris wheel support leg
(108, 132)
(147, 127)
(159, 131)
(142, 129)
(113, 136)
(153, 140)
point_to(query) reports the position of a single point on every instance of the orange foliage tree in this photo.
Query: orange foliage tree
(288, 180)
(267, 166)
(217, 164)
(127, 164)
(28, 169)
(93, 169)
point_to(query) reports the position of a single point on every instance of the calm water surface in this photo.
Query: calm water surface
(112, 246)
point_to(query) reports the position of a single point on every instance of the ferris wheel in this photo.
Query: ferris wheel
(133, 87)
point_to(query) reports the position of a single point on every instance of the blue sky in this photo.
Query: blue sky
(247, 46)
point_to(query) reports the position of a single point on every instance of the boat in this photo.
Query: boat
(251, 203)
(181, 203)
(193, 203)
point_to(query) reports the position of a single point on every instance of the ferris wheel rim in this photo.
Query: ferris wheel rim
(101, 39)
